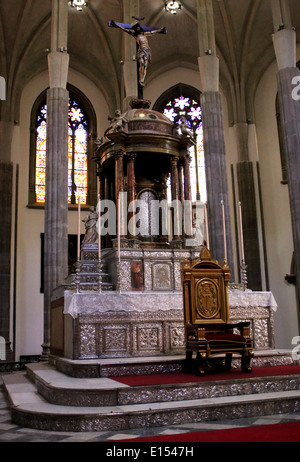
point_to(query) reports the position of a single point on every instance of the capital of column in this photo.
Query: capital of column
(119, 154)
(174, 161)
(131, 156)
(209, 72)
(58, 65)
(285, 48)
(187, 158)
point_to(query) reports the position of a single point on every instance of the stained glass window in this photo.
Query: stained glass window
(190, 108)
(77, 154)
(40, 168)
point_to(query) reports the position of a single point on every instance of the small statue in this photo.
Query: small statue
(185, 131)
(117, 121)
(91, 232)
(98, 142)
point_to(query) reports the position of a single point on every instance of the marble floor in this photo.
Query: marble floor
(9, 432)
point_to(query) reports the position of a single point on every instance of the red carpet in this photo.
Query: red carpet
(180, 377)
(277, 433)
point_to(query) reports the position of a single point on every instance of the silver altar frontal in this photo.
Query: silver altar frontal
(91, 325)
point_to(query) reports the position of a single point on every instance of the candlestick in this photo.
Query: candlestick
(78, 230)
(119, 227)
(99, 230)
(206, 225)
(224, 230)
(241, 230)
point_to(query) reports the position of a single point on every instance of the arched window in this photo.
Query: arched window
(183, 100)
(81, 167)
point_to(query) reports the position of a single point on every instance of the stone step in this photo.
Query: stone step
(58, 388)
(29, 409)
(109, 367)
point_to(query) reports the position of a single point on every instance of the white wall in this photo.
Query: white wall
(277, 219)
(29, 300)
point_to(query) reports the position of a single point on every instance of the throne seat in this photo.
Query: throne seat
(208, 330)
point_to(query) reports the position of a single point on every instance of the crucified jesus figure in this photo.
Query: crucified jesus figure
(144, 51)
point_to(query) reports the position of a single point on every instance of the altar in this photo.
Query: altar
(93, 325)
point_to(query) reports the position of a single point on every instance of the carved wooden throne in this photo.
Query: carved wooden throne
(208, 330)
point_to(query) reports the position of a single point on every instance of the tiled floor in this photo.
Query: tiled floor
(9, 432)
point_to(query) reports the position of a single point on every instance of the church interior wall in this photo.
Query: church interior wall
(277, 218)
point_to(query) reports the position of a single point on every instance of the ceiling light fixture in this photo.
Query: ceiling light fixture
(78, 4)
(172, 7)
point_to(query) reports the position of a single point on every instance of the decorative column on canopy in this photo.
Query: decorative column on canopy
(175, 198)
(119, 188)
(56, 203)
(131, 186)
(288, 77)
(213, 131)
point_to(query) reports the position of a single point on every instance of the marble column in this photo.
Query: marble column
(187, 178)
(119, 188)
(106, 196)
(131, 187)
(177, 222)
(188, 207)
(214, 137)
(284, 40)
(181, 181)
(56, 204)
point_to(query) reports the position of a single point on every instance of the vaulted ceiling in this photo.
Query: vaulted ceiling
(243, 30)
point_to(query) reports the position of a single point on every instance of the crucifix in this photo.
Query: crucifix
(140, 33)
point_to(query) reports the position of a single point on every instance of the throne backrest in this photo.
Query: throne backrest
(205, 292)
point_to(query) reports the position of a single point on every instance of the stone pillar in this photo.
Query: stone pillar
(247, 197)
(214, 138)
(246, 190)
(284, 40)
(6, 194)
(175, 199)
(56, 204)
(6, 187)
(131, 186)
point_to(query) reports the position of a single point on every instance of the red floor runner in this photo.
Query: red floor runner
(180, 377)
(276, 433)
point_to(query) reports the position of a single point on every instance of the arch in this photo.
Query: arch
(91, 130)
(180, 89)
(189, 96)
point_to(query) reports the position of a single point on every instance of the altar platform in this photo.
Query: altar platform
(45, 398)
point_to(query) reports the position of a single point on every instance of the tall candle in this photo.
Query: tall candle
(206, 225)
(241, 231)
(224, 230)
(119, 226)
(99, 230)
(78, 230)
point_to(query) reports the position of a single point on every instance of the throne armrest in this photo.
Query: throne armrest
(243, 327)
